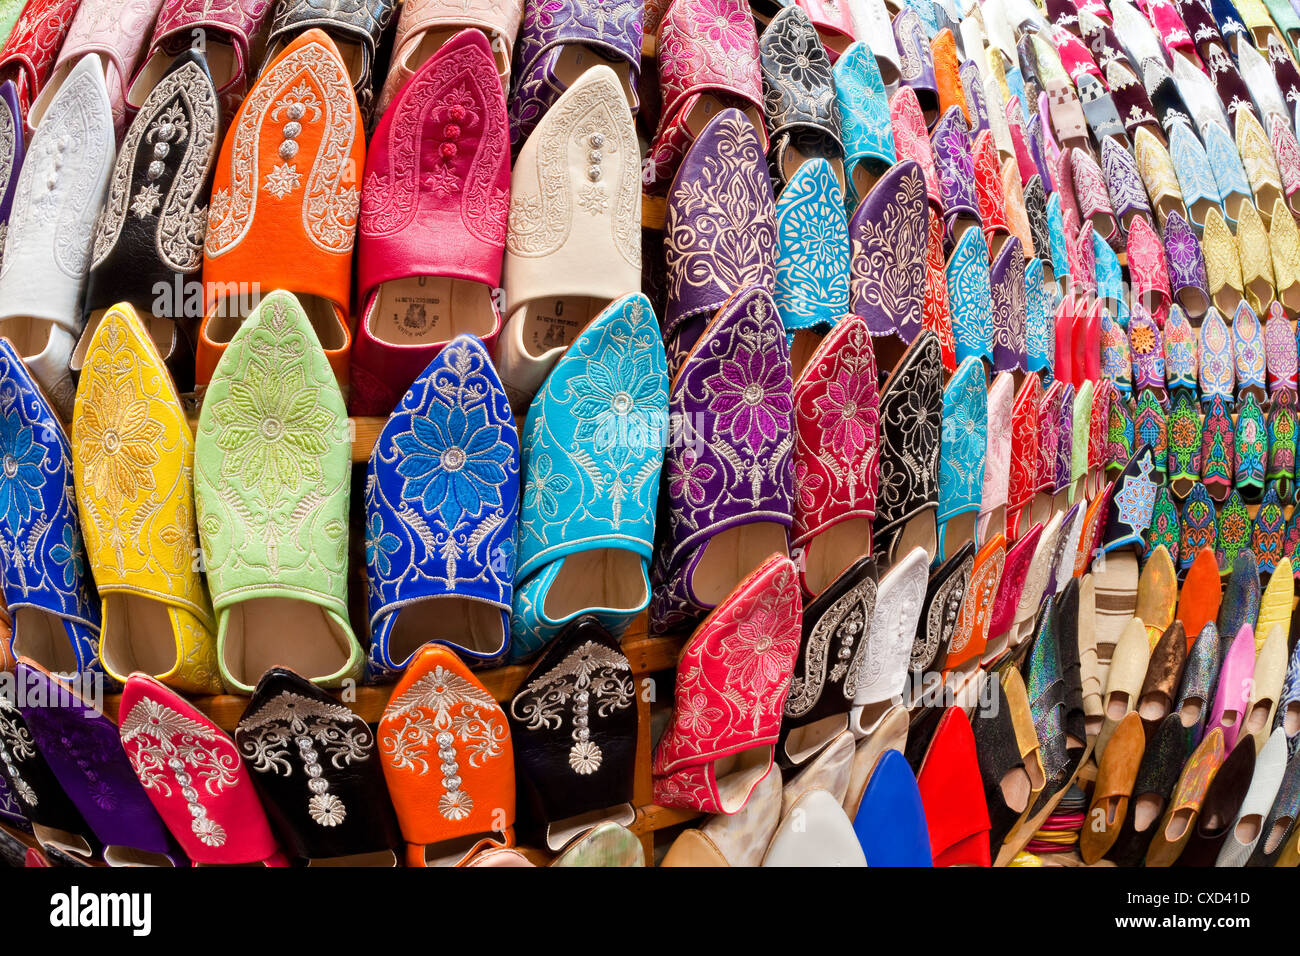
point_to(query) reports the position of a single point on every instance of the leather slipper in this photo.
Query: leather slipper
(816, 832)
(890, 821)
(1124, 680)
(961, 456)
(1008, 784)
(1157, 594)
(446, 465)
(445, 745)
(742, 837)
(1180, 818)
(1248, 826)
(608, 844)
(1279, 825)
(1116, 776)
(1198, 602)
(733, 677)
(891, 734)
(1265, 688)
(1232, 692)
(953, 796)
(1164, 675)
(272, 438)
(1162, 762)
(1220, 807)
(883, 678)
(574, 727)
(600, 421)
(830, 771)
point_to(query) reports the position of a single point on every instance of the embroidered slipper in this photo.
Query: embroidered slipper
(1265, 687)
(1184, 806)
(970, 638)
(871, 20)
(1257, 158)
(1251, 448)
(816, 832)
(574, 727)
(339, 762)
(1147, 349)
(936, 311)
(1234, 531)
(1284, 247)
(812, 255)
(1081, 425)
(1198, 191)
(56, 617)
(836, 466)
(1151, 427)
(890, 822)
(1116, 358)
(912, 141)
(32, 47)
(708, 58)
(1218, 360)
(1188, 282)
(299, 235)
(47, 257)
(1256, 260)
(1007, 781)
(916, 62)
(1268, 534)
(1222, 803)
(1184, 445)
(835, 25)
(1024, 441)
(1015, 578)
(1042, 506)
(272, 438)
(145, 238)
(995, 492)
(84, 753)
(1116, 780)
(803, 116)
(559, 278)
(1286, 149)
(864, 121)
(831, 659)
(717, 240)
(1225, 161)
(952, 795)
(955, 162)
(939, 618)
(133, 462)
(12, 149)
(441, 716)
(881, 683)
(911, 406)
(230, 36)
(961, 456)
(888, 236)
(1119, 432)
(445, 467)
(424, 26)
(1218, 450)
(730, 494)
(730, 694)
(970, 296)
(600, 421)
(1165, 529)
(115, 37)
(38, 800)
(1244, 834)
(1163, 180)
(1008, 319)
(432, 222)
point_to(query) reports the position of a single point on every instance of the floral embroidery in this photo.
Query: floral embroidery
(750, 397)
(454, 462)
(21, 464)
(380, 545)
(961, 458)
(115, 442)
(889, 235)
(911, 409)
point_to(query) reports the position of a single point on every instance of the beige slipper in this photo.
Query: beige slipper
(891, 734)
(1266, 688)
(1091, 673)
(830, 770)
(1157, 594)
(1128, 670)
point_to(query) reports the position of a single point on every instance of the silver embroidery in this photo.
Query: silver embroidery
(845, 622)
(16, 744)
(292, 723)
(189, 117)
(165, 740)
(942, 616)
(591, 674)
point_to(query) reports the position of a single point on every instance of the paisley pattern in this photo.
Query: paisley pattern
(911, 409)
(729, 458)
(732, 682)
(611, 27)
(442, 492)
(812, 253)
(888, 237)
(592, 452)
(970, 296)
(720, 232)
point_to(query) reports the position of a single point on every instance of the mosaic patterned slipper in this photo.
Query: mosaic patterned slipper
(1165, 530)
(1218, 450)
(1283, 433)
(1234, 531)
(1251, 449)
(1184, 445)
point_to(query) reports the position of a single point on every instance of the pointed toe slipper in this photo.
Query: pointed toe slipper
(890, 822)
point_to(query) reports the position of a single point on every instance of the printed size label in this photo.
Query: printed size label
(552, 328)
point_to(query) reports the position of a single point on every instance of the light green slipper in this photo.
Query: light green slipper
(271, 476)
